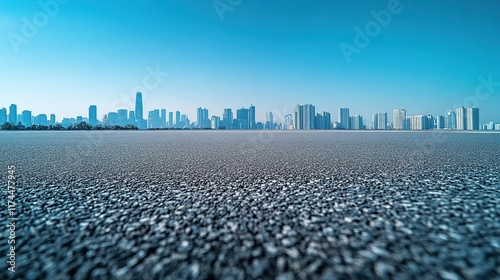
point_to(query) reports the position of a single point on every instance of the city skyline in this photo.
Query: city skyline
(304, 117)
(270, 54)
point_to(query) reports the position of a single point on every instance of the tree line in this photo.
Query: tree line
(75, 126)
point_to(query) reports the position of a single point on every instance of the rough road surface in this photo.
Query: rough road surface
(248, 205)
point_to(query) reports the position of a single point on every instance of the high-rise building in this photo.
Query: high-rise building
(113, 118)
(251, 117)
(122, 117)
(242, 120)
(440, 122)
(304, 117)
(52, 119)
(356, 122)
(42, 119)
(227, 118)
(93, 115)
(288, 122)
(202, 119)
(215, 122)
(430, 122)
(269, 125)
(450, 120)
(3, 116)
(472, 118)
(131, 118)
(461, 114)
(13, 114)
(379, 121)
(170, 119)
(139, 113)
(374, 121)
(154, 120)
(26, 118)
(417, 122)
(344, 118)
(163, 117)
(79, 119)
(323, 121)
(399, 119)
(178, 119)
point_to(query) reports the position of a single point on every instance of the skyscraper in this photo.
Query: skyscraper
(461, 118)
(356, 122)
(227, 118)
(440, 123)
(170, 119)
(93, 115)
(26, 118)
(242, 121)
(269, 121)
(42, 119)
(417, 122)
(52, 120)
(13, 113)
(399, 119)
(202, 119)
(3, 116)
(251, 117)
(344, 118)
(139, 113)
(215, 122)
(304, 117)
(177, 119)
(288, 122)
(154, 120)
(163, 118)
(131, 118)
(323, 121)
(451, 120)
(122, 117)
(472, 118)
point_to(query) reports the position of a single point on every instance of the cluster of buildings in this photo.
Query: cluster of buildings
(304, 117)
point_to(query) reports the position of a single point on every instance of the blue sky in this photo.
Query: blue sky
(272, 54)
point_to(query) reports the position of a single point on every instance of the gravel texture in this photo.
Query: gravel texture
(254, 205)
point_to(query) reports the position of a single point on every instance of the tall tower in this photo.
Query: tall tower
(472, 118)
(93, 115)
(399, 119)
(461, 118)
(344, 118)
(139, 113)
(13, 114)
(227, 118)
(251, 117)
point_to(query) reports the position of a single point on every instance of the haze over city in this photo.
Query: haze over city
(428, 57)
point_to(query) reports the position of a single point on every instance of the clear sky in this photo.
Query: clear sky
(273, 54)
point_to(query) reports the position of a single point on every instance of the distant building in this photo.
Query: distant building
(288, 122)
(417, 122)
(42, 119)
(450, 120)
(13, 114)
(52, 119)
(178, 119)
(202, 120)
(461, 114)
(131, 118)
(440, 123)
(154, 120)
(251, 117)
(356, 122)
(139, 112)
(344, 118)
(93, 115)
(3, 116)
(122, 117)
(227, 118)
(269, 125)
(472, 118)
(170, 119)
(304, 117)
(242, 121)
(26, 118)
(323, 121)
(379, 121)
(113, 118)
(79, 119)
(215, 122)
(163, 117)
(399, 119)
